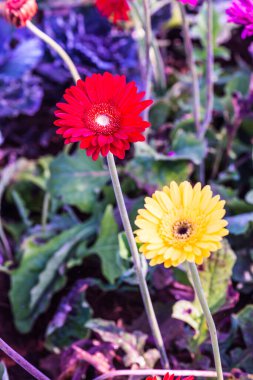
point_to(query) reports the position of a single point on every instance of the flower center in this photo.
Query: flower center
(182, 229)
(103, 119)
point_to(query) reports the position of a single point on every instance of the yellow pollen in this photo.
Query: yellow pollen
(182, 229)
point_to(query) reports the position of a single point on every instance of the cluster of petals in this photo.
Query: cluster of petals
(116, 10)
(169, 376)
(103, 114)
(193, 3)
(18, 12)
(241, 12)
(181, 223)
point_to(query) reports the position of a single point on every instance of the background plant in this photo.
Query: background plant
(59, 276)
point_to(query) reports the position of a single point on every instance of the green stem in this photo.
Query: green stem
(54, 45)
(210, 322)
(75, 75)
(192, 67)
(209, 71)
(137, 262)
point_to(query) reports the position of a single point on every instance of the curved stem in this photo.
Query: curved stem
(137, 262)
(21, 361)
(210, 322)
(209, 71)
(75, 75)
(192, 67)
(54, 45)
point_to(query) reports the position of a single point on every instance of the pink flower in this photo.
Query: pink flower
(241, 12)
(193, 3)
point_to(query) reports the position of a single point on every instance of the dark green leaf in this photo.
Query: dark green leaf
(41, 273)
(107, 247)
(77, 179)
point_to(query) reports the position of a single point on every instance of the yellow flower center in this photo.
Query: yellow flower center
(177, 230)
(182, 229)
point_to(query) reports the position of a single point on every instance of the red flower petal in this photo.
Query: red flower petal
(116, 9)
(103, 113)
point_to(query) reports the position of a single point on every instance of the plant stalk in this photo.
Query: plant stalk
(192, 66)
(209, 71)
(54, 45)
(137, 262)
(75, 75)
(21, 361)
(210, 322)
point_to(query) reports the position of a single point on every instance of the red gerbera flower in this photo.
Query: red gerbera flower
(18, 12)
(117, 9)
(103, 113)
(170, 377)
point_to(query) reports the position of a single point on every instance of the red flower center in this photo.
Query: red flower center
(103, 119)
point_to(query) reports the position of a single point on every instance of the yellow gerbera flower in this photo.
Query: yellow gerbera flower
(181, 223)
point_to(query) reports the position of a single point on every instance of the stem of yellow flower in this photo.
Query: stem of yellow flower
(137, 262)
(210, 322)
(54, 45)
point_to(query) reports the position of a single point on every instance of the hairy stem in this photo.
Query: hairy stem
(137, 262)
(210, 322)
(75, 75)
(54, 45)
(21, 361)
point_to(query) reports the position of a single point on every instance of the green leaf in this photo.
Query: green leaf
(42, 273)
(68, 324)
(157, 173)
(159, 113)
(132, 344)
(187, 146)
(107, 247)
(215, 276)
(77, 179)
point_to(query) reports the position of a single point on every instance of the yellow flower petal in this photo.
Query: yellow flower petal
(181, 223)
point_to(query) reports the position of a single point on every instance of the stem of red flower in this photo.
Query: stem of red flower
(21, 361)
(75, 75)
(54, 45)
(192, 67)
(137, 262)
(210, 322)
